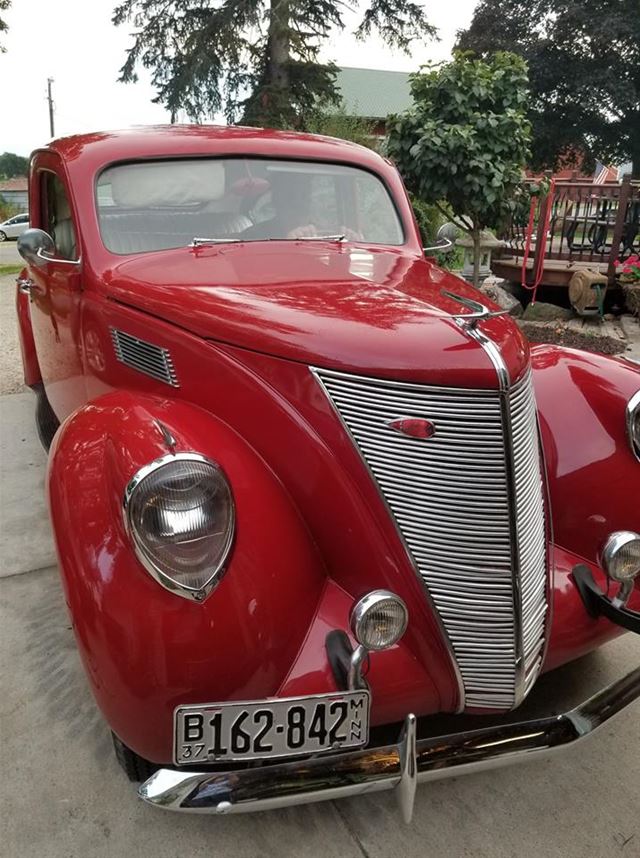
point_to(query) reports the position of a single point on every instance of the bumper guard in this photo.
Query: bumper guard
(398, 767)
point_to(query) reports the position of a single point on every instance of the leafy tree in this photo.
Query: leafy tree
(7, 210)
(255, 60)
(336, 122)
(584, 71)
(466, 140)
(13, 165)
(4, 4)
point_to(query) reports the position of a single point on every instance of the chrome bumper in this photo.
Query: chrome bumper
(398, 767)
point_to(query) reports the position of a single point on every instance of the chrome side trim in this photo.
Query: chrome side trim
(393, 767)
(493, 353)
(632, 406)
(149, 358)
(167, 437)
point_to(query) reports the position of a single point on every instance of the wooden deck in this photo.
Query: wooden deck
(576, 225)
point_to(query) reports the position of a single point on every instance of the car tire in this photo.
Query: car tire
(136, 768)
(46, 421)
(3, 235)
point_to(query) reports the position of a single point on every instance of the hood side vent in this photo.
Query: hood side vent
(145, 357)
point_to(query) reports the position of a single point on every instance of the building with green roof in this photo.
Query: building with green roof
(373, 93)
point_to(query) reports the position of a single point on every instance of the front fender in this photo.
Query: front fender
(594, 478)
(145, 649)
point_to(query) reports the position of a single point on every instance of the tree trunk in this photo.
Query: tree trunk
(278, 45)
(635, 148)
(269, 103)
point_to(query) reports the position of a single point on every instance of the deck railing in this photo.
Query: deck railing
(589, 223)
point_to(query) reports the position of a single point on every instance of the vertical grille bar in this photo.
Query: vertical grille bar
(468, 503)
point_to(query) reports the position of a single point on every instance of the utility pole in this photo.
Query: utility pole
(50, 100)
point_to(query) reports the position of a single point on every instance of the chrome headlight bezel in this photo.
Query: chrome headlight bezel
(616, 542)
(363, 609)
(216, 572)
(633, 424)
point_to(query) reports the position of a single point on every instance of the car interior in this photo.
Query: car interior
(166, 204)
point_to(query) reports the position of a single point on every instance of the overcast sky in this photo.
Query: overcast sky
(74, 42)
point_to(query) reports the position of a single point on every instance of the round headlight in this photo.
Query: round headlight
(621, 556)
(379, 620)
(179, 512)
(633, 423)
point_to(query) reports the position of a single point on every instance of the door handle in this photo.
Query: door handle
(25, 284)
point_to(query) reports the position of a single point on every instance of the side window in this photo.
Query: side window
(56, 214)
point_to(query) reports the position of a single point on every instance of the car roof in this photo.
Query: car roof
(100, 148)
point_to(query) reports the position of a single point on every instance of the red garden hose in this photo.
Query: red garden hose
(539, 270)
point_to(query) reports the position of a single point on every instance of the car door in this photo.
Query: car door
(56, 291)
(12, 227)
(22, 223)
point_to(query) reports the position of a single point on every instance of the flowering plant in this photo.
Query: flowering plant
(630, 268)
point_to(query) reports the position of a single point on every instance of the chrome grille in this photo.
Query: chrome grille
(146, 357)
(469, 507)
(530, 529)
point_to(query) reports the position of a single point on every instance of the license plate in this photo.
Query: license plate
(220, 732)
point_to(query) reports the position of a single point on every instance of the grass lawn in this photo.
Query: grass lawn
(10, 269)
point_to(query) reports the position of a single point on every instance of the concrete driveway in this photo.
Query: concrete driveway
(63, 796)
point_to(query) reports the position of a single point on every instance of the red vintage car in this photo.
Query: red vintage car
(306, 486)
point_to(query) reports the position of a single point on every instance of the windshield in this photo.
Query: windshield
(156, 205)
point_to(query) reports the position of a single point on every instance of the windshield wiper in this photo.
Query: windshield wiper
(337, 237)
(199, 242)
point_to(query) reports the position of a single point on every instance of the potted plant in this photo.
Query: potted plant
(628, 270)
(628, 274)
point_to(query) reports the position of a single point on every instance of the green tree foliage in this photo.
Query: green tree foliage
(584, 71)
(466, 140)
(336, 122)
(255, 60)
(4, 4)
(13, 165)
(7, 210)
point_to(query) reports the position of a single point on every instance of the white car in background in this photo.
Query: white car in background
(14, 227)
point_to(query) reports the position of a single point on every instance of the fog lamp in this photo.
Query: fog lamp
(379, 620)
(179, 513)
(621, 556)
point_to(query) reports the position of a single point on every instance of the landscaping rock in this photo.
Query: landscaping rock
(631, 327)
(605, 337)
(632, 297)
(541, 312)
(515, 289)
(502, 298)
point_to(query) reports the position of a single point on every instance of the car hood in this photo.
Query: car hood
(347, 307)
